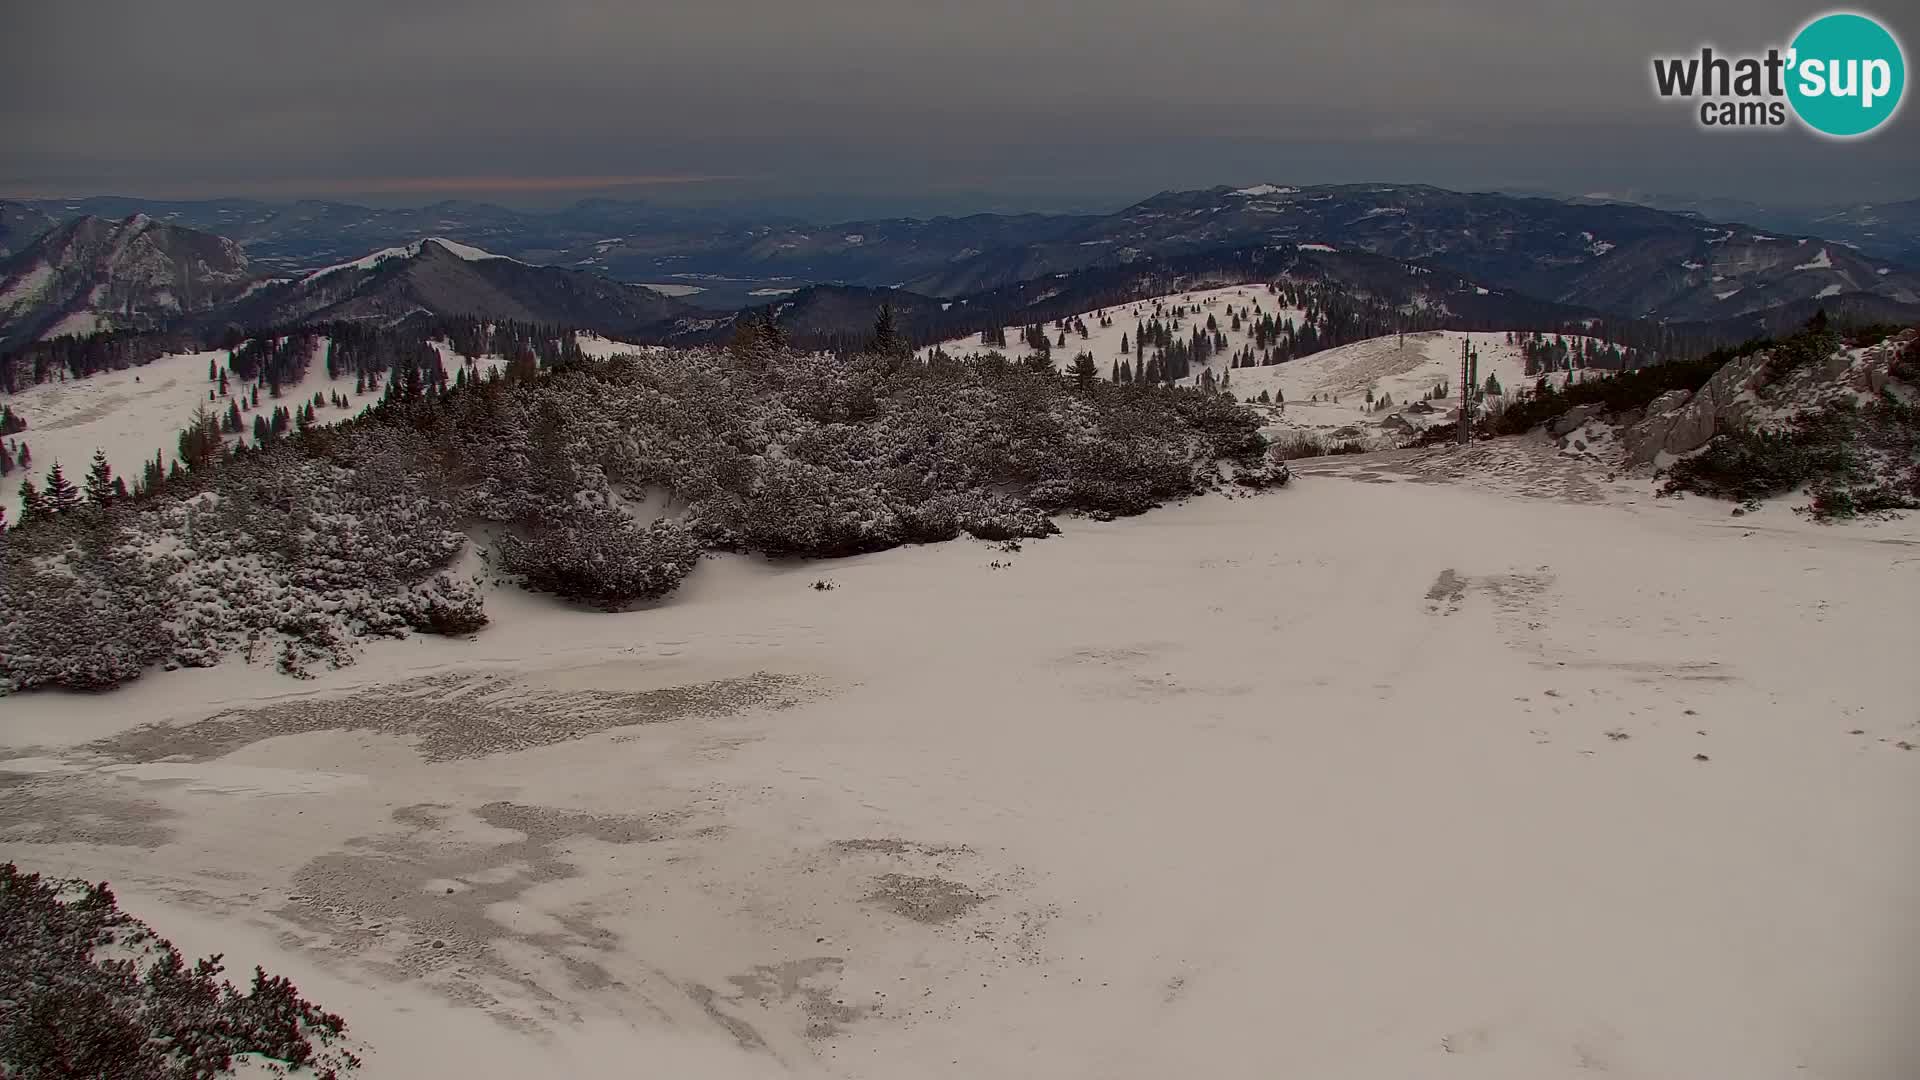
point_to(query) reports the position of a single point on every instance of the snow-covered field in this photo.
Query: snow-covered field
(1357, 779)
(132, 414)
(1405, 368)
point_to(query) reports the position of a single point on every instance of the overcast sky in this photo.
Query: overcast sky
(908, 102)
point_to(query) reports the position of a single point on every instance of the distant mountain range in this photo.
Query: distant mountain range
(1887, 230)
(1593, 256)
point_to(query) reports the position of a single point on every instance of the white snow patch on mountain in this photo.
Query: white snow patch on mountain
(27, 288)
(772, 292)
(1317, 247)
(1724, 295)
(408, 251)
(75, 324)
(1266, 189)
(600, 347)
(673, 289)
(1822, 261)
(1831, 290)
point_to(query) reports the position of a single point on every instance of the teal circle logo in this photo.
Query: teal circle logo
(1847, 74)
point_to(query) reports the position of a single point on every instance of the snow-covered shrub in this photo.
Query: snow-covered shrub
(74, 615)
(345, 532)
(602, 558)
(91, 991)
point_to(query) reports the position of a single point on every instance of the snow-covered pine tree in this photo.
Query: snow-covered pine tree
(102, 489)
(61, 496)
(33, 505)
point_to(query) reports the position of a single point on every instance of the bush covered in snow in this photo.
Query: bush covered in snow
(87, 990)
(603, 558)
(338, 533)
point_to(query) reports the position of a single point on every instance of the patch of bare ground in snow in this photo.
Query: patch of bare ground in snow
(425, 903)
(457, 716)
(58, 808)
(923, 899)
(1525, 465)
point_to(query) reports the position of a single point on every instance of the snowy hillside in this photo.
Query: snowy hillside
(131, 414)
(1324, 391)
(407, 251)
(1104, 341)
(1329, 390)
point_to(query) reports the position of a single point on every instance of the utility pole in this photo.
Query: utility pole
(1466, 391)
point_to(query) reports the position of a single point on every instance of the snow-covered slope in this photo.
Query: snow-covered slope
(1328, 390)
(407, 251)
(440, 277)
(1406, 368)
(131, 414)
(1104, 342)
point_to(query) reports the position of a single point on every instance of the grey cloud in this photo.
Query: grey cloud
(1008, 95)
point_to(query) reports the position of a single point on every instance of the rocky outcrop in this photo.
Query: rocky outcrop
(1571, 419)
(1754, 390)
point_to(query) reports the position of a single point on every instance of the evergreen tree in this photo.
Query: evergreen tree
(1084, 371)
(6, 460)
(153, 476)
(103, 490)
(33, 505)
(887, 338)
(61, 496)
